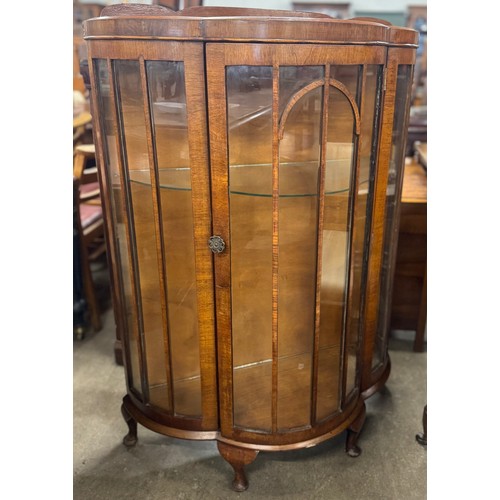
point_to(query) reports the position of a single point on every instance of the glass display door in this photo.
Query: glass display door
(293, 135)
(154, 140)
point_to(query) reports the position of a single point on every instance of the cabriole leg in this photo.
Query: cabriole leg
(131, 438)
(353, 432)
(237, 458)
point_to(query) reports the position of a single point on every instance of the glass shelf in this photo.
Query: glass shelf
(256, 180)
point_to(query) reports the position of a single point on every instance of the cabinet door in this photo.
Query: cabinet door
(293, 146)
(153, 145)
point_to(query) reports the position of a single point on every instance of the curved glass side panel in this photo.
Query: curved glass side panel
(142, 223)
(396, 165)
(369, 111)
(109, 139)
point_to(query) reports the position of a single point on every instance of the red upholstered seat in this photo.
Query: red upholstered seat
(90, 190)
(89, 214)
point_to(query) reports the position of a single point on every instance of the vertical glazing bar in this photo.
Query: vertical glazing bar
(275, 192)
(319, 244)
(353, 208)
(160, 250)
(128, 219)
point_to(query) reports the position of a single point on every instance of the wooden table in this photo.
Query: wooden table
(421, 152)
(409, 303)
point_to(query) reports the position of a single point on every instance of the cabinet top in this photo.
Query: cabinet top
(232, 24)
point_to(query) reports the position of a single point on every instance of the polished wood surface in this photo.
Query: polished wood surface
(282, 151)
(208, 11)
(162, 24)
(238, 457)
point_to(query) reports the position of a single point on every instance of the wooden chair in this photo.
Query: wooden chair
(89, 224)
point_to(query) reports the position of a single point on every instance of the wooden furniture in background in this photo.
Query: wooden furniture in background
(176, 4)
(416, 16)
(421, 153)
(171, 4)
(91, 157)
(90, 227)
(421, 437)
(248, 163)
(417, 128)
(81, 12)
(82, 129)
(417, 20)
(332, 9)
(409, 302)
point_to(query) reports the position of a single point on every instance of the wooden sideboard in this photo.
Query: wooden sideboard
(409, 302)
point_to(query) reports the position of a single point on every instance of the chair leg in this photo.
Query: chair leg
(88, 283)
(418, 344)
(422, 437)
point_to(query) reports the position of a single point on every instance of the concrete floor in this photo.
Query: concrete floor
(392, 465)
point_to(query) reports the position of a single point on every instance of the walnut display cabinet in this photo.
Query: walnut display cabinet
(250, 163)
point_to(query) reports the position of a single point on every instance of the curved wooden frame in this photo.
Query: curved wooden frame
(147, 420)
(309, 88)
(293, 100)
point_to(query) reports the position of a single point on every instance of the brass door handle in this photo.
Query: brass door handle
(216, 244)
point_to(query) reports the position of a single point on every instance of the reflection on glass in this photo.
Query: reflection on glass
(298, 174)
(249, 103)
(339, 164)
(118, 214)
(294, 78)
(403, 87)
(348, 76)
(167, 97)
(367, 158)
(136, 157)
